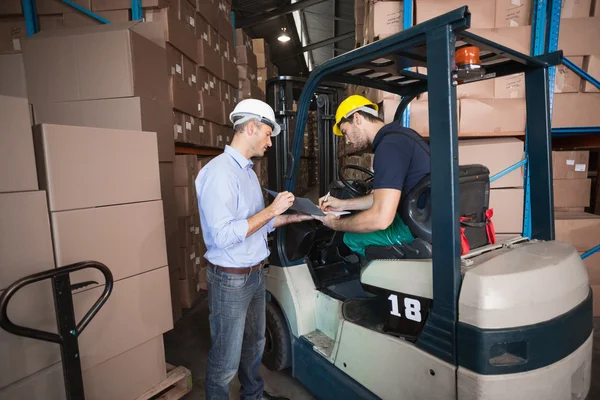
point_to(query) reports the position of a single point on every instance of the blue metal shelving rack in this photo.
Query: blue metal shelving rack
(544, 39)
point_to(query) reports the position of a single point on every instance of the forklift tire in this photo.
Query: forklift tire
(278, 345)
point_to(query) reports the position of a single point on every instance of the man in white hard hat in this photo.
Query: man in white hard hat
(235, 224)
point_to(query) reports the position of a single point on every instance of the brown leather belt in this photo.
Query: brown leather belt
(240, 271)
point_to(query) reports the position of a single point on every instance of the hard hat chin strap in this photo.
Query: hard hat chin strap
(366, 109)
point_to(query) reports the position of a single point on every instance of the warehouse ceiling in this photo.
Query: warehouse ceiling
(318, 20)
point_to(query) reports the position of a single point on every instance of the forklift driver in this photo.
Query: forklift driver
(401, 160)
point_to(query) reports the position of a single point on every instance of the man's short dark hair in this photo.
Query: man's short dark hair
(365, 115)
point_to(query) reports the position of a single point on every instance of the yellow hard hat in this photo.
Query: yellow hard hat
(350, 106)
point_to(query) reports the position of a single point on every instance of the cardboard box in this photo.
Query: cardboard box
(498, 117)
(260, 46)
(191, 263)
(174, 61)
(26, 247)
(172, 238)
(508, 210)
(12, 32)
(130, 374)
(187, 15)
(224, 91)
(419, 114)
(242, 39)
(175, 31)
(210, 108)
(208, 83)
(45, 384)
(576, 8)
(230, 71)
(579, 36)
(32, 306)
(245, 56)
(511, 13)
(209, 56)
(189, 290)
(11, 7)
(186, 231)
(572, 192)
(567, 81)
(17, 159)
(510, 86)
(596, 294)
(185, 200)
(246, 73)
(129, 239)
(517, 38)
(129, 66)
(496, 154)
(11, 66)
(58, 7)
(166, 189)
(175, 296)
(49, 22)
(250, 90)
(183, 96)
(570, 164)
(591, 66)
(191, 130)
(104, 5)
(383, 18)
(576, 109)
(70, 172)
(482, 11)
(179, 133)
(138, 310)
(184, 169)
(581, 230)
(592, 264)
(132, 113)
(224, 26)
(78, 19)
(209, 10)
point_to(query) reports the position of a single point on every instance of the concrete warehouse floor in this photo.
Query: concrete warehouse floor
(189, 342)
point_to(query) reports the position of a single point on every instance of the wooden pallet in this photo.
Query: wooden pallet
(177, 385)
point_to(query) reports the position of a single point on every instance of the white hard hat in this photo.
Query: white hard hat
(252, 108)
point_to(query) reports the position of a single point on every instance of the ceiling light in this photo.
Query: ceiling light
(284, 37)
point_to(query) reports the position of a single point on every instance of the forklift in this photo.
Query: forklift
(504, 320)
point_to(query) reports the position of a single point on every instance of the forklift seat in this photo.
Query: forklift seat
(415, 211)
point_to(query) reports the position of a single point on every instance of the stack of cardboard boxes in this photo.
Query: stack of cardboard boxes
(571, 198)
(248, 63)
(75, 193)
(192, 249)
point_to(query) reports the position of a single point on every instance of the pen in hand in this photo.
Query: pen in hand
(325, 199)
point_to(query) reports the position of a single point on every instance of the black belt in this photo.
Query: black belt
(241, 271)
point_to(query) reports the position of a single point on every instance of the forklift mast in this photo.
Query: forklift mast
(283, 93)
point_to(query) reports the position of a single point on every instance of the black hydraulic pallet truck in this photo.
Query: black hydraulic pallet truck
(68, 329)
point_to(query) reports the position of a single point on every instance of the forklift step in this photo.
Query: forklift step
(321, 342)
(177, 385)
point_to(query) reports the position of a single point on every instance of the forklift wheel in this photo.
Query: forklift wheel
(278, 344)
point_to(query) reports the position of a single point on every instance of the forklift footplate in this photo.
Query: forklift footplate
(177, 385)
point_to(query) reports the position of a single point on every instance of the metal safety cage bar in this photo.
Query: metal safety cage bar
(408, 16)
(383, 66)
(32, 24)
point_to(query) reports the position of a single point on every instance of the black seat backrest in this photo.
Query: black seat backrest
(474, 181)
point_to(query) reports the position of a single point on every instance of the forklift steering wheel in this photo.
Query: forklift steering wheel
(359, 187)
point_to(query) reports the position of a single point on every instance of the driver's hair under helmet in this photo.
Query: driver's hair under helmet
(351, 105)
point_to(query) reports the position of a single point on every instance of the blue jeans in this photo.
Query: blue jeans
(237, 329)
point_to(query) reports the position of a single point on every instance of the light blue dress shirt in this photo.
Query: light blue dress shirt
(228, 194)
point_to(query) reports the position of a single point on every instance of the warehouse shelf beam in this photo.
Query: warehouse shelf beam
(31, 17)
(86, 11)
(508, 170)
(575, 131)
(590, 252)
(581, 73)
(278, 12)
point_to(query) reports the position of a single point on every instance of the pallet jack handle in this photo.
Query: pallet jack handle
(68, 329)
